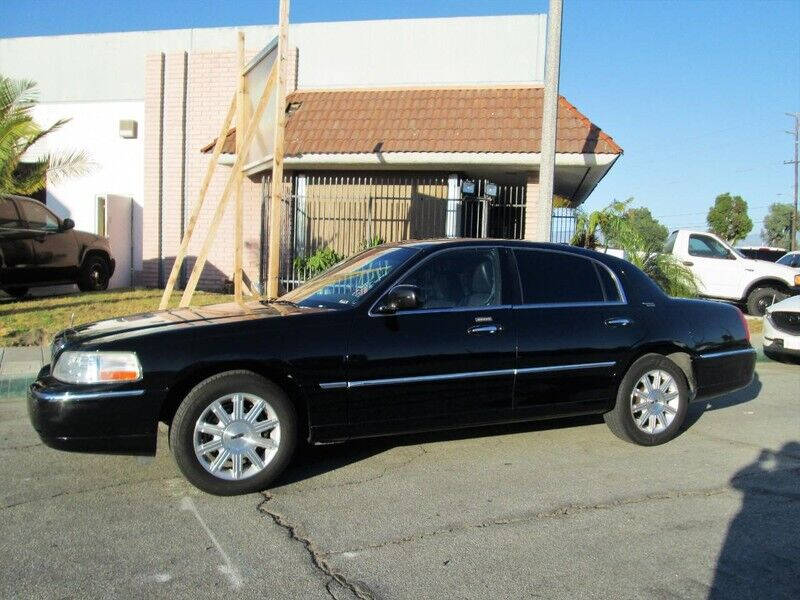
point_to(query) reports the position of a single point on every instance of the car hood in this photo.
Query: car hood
(176, 317)
(788, 305)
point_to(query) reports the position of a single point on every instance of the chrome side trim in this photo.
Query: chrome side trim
(728, 353)
(569, 304)
(597, 365)
(465, 375)
(64, 396)
(333, 385)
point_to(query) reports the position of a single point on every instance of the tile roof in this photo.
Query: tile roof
(506, 119)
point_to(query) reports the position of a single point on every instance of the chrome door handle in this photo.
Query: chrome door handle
(620, 322)
(688, 263)
(491, 328)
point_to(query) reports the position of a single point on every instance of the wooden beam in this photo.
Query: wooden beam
(240, 126)
(187, 236)
(276, 187)
(223, 201)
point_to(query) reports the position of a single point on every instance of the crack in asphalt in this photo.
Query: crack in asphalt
(569, 510)
(24, 447)
(86, 491)
(359, 589)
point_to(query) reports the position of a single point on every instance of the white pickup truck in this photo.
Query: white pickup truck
(723, 272)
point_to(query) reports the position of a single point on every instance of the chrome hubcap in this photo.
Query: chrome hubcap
(654, 401)
(237, 436)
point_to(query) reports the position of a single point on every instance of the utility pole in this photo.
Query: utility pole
(547, 165)
(796, 134)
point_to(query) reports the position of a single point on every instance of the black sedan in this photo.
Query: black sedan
(399, 338)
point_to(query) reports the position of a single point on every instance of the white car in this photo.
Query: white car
(782, 329)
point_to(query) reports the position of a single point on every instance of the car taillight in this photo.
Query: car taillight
(744, 324)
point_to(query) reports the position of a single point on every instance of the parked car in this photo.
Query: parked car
(790, 259)
(400, 338)
(782, 329)
(724, 273)
(37, 248)
(767, 253)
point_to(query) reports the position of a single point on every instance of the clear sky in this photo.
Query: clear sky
(694, 91)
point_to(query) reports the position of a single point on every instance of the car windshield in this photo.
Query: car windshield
(345, 284)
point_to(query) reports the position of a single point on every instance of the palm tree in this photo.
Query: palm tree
(18, 133)
(610, 223)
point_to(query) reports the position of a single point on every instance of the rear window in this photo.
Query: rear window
(557, 278)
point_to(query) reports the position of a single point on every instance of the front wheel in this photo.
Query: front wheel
(94, 274)
(234, 433)
(652, 401)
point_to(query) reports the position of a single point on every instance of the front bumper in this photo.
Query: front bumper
(777, 341)
(83, 418)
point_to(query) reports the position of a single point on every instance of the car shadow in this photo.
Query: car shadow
(310, 461)
(758, 558)
(698, 408)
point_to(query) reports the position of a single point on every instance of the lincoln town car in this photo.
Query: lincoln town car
(400, 338)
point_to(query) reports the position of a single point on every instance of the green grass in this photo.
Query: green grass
(34, 321)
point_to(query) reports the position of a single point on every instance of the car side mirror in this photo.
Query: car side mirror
(400, 297)
(67, 224)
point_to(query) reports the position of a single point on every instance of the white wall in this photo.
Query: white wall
(117, 163)
(469, 50)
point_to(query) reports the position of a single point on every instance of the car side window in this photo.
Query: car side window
(559, 278)
(706, 247)
(38, 217)
(9, 219)
(463, 277)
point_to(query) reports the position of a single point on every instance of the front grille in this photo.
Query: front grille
(786, 321)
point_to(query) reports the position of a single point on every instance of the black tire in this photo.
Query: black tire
(16, 292)
(182, 431)
(94, 274)
(762, 297)
(621, 418)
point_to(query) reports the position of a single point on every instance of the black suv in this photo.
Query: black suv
(37, 248)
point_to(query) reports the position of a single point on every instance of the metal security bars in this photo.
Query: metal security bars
(563, 225)
(329, 216)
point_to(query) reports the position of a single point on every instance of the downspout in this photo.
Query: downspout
(161, 178)
(182, 277)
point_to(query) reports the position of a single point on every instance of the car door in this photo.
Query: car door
(448, 362)
(55, 251)
(574, 329)
(16, 250)
(717, 268)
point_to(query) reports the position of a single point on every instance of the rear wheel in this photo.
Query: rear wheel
(94, 274)
(234, 433)
(762, 298)
(652, 401)
(16, 292)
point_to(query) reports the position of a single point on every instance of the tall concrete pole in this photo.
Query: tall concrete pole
(544, 208)
(795, 162)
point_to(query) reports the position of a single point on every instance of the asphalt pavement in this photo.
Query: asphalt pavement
(558, 509)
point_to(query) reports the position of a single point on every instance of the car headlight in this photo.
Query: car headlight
(97, 367)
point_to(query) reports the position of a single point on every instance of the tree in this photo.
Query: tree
(672, 276)
(646, 225)
(18, 133)
(728, 218)
(777, 229)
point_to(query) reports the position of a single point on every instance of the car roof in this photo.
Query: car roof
(440, 243)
